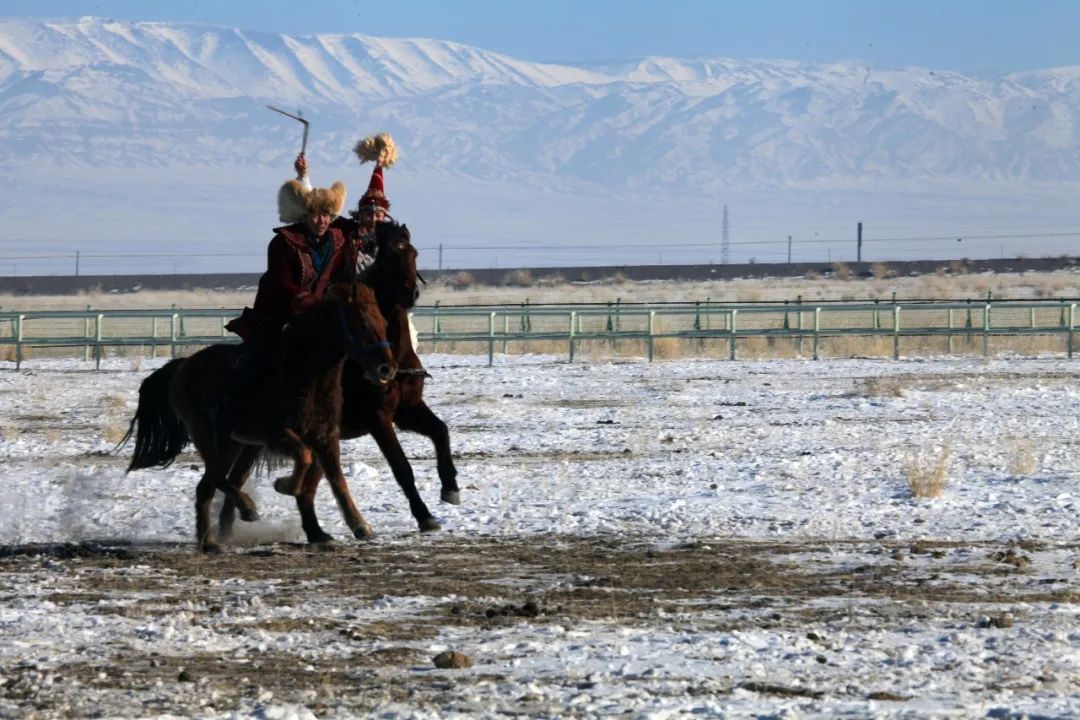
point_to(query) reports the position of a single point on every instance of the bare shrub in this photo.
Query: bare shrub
(880, 270)
(7, 353)
(1022, 459)
(958, 267)
(879, 387)
(841, 271)
(927, 471)
(619, 278)
(812, 275)
(113, 432)
(853, 346)
(462, 280)
(551, 280)
(518, 278)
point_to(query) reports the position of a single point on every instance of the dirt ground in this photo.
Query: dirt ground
(477, 585)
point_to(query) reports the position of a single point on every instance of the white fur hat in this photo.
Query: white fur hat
(295, 201)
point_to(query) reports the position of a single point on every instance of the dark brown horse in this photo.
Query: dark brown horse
(294, 408)
(394, 279)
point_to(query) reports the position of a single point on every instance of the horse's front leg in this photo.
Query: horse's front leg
(219, 453)
(305, 503)
(418, 417)
(329, 454)
(238, 475)
(382, 429)
(302, 461)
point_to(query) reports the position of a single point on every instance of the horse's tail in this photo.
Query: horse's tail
(161, 435)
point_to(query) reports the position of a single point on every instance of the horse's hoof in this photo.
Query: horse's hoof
(210, 549)
(428, 524)
(320, 538)
(249, 515)
(451, 496)
(363, 532)
(286, 486)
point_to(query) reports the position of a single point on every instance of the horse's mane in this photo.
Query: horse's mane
(326, 313)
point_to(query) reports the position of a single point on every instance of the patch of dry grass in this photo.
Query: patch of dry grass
(873, 387)
(1022, 457)
(927, 470)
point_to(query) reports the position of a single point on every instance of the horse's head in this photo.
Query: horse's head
(363, 330)
(396, 277)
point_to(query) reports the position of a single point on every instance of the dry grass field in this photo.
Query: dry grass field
(553, 288)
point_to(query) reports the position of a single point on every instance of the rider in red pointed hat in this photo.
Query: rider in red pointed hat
(374, 205)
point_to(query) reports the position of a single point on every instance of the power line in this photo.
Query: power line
(540, 246)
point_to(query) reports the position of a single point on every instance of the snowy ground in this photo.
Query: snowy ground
(707, 537)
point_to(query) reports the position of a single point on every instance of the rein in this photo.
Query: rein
(414, 371)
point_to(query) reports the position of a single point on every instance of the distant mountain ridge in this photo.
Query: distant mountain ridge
(146, 145)
(658, 122)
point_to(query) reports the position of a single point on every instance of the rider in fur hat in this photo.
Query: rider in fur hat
(305, 256)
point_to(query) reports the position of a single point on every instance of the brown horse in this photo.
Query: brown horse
(294, 408)
(394, 278)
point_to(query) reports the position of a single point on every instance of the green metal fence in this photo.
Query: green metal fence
(176, 331)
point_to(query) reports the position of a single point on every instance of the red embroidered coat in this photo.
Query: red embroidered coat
(291, 281)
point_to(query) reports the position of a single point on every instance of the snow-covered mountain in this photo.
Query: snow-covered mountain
(120, 99)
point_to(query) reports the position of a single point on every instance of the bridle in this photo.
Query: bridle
(354, 344)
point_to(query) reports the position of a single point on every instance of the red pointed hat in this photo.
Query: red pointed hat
(376, 192)
(381, 150)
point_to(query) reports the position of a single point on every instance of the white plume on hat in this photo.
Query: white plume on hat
(295, 201)
(379, 149)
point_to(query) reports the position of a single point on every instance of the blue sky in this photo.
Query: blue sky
(981, 36)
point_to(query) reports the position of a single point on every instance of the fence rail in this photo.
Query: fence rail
(175, 330)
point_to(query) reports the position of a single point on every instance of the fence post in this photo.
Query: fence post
(506, 332)
(153, 336)
(174, 321)
(1072, 327)
(573, 323)
(731, 338)
(697, 324)
(19, 340)
(98, 337)
(435, 328)
(896, 332)
(652, 325)
(86, 334)
(986, 327)
(798, 316)
(491, 339)
(817, 329)
(950, 311)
